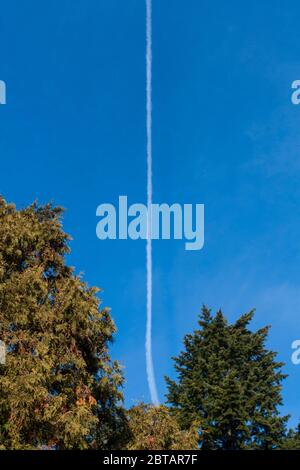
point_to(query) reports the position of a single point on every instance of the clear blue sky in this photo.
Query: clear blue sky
(224, 134)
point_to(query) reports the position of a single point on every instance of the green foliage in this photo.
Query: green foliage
(154, 428)
(292, 440)
(230, 383)
(59, 388)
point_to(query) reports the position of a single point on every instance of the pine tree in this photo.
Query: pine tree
(59, 388)
(292, 440)
(230, 384)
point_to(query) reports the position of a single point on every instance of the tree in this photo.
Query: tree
(292, 440)
(154, 428)
(58, 388)
(230, 383)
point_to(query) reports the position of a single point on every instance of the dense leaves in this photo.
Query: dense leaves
(292, 440)
(154, 428)
(59, 388)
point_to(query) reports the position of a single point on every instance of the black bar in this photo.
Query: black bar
(134, 459)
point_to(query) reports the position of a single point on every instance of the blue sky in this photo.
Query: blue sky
(224, 134)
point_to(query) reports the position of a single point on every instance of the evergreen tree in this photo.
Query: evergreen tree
(58, 388)
(154, 428)
(292, 440)
(230, 383)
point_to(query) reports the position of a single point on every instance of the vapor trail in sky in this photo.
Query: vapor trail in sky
(148, 344)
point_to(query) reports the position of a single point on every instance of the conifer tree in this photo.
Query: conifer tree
(292, 440)
(230, 383)
(154, 428)
(59, 388)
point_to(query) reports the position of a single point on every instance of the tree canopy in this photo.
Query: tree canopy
(230, 383)
(154, 428)
(58, 388)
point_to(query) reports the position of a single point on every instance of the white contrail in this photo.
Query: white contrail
(148, 344)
